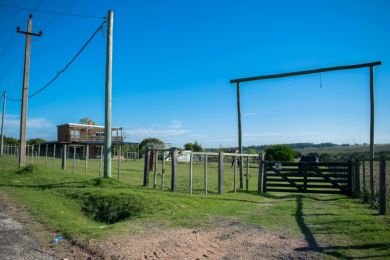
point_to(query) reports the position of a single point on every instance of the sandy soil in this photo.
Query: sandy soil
(229, 240)
(16, 243)
(21, 237)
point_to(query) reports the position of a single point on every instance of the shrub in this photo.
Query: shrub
(279, 152)
(112, 208)
(28, 169)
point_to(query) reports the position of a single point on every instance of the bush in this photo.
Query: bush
(195, 147)
(112, 208)
(279, 152)
(28, 169)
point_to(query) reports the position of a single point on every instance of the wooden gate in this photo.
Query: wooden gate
(308, 177)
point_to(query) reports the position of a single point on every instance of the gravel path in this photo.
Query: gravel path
(228, 240)
(16, 243)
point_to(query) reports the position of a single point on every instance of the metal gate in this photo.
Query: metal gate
(308, 177)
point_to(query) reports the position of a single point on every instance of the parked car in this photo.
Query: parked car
(309, 159)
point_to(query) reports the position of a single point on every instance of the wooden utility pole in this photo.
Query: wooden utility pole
(108, 101)
(2, 123)
(372, 107)
(239, 135)
(26, 76)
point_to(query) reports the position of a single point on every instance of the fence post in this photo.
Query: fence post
(191, 159)
(349, 178)
(119, 160)
(101, 161)
(74, 158)
(247, 174)
(205, 173)
(54, 155)
(357, 179)
(146, 168)
(173, 177)
(155, 156)
(382, 186)
(304, 177)
(39, 153)
(46, 153)
(264, 176)
(364, 176)
(86, 158)
(235, 158)
(220, 173)
(162, 170)
(63, 161)
(372, 191)
(260, 176)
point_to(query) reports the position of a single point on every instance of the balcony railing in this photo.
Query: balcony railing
(93, 138)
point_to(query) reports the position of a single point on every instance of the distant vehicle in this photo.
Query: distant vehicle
(309, 159)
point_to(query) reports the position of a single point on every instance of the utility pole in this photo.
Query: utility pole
(2, 123)
(240, 158)
(26, 76)
(108, 99)
(372, 142)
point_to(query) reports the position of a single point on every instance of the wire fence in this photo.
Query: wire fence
(192, 172)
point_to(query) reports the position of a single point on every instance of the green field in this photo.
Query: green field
(345, 149)
(335, 225)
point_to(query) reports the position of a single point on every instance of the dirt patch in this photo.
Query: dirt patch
(21, 237)
(228, 240)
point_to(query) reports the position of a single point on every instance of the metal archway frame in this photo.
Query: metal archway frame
(314, 71)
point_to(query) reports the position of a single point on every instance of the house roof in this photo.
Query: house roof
(88, 126)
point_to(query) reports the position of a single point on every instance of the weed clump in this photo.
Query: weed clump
(113, 207)
(28, 169)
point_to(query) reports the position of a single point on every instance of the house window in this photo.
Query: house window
(75, 133)
(99, 133)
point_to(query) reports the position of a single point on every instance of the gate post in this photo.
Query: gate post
(350, 178)
(63, 162)
(146, 168)
(382, 186)
(173, 160)
(265, 176)
(357, 179)
(261, 173)
(220, 173)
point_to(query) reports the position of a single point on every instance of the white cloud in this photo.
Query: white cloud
(143, 131)
(36, 127)
(173, 129)
(175, 124)
(13, 121)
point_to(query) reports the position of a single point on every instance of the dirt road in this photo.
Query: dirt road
(16, 243)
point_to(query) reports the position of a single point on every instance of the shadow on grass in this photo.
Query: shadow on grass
(93, 183)
(331, 250)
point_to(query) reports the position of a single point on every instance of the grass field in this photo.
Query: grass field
(334, 225)
(345, 149)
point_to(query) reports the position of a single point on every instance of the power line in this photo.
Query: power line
(66, 66)
(58, 15)
(10, 41)
(50, 12)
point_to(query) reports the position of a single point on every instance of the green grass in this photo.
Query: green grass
(334, 224)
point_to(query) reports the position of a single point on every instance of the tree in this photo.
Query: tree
(279, 152)
(324, 157)
(195, 147)
(11, 140)
(86, 121)
(251, 151)
(150, 142)
(35, 141)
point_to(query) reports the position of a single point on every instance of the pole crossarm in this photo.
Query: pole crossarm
(304, 72)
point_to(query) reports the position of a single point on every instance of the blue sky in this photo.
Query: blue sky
(173, 61)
